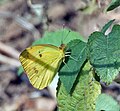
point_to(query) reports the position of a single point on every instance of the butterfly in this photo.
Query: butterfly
(41, 63)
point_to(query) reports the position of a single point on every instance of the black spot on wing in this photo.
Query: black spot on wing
(35, 70)
(40, 55)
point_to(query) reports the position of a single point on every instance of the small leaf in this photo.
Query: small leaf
(104, 53)
(114, 4)
(20, 71)
(106, 103)
(84, 95)
(72, 68)
(58, 37)
(106, 26)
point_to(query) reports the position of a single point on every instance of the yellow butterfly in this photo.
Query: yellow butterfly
(41, 63)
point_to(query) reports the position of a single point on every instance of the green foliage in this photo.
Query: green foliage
(72, 67)
(78, 89)
(104, 53)
(3, 2)
(20, 71)
(86, 90)
(114, 4)
(106, 26)
(106, 103)
(62, 36)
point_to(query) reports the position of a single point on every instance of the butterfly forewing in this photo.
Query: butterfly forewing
(41, 63)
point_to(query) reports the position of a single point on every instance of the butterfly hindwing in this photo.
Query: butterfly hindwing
(41, 63)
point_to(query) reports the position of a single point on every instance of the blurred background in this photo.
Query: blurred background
(24, 21)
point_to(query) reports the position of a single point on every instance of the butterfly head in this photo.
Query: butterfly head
(62, 47)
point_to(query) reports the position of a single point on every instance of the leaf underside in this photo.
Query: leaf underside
(84, 94)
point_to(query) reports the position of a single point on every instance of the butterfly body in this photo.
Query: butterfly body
(41, 63)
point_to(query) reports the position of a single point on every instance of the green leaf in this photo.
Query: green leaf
(2, 2)
(106, 103)
(62, 36)
(84, 94)
(104, 53)
(20, 71)
(106, 26)
(114, 4)
(72, 68)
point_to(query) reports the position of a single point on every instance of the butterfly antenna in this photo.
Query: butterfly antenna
(66, 35)
(63, 38)
(63, 27)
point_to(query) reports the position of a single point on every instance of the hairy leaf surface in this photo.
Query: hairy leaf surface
(84, 94)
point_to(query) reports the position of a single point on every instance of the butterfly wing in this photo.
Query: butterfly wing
(41, 63)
